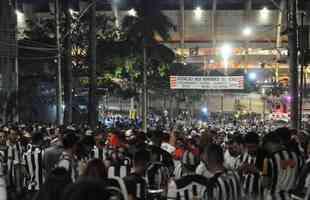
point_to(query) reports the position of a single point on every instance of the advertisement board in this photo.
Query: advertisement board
(207, 82)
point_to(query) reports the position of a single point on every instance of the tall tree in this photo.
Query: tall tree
(8, 23)
(68, 65)
(143, 29)
(92, 107)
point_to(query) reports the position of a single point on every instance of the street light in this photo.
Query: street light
(204, 110)
(19, 13)
(226, 65)
(198, 13)
(132, 12)
(247, 31)
(264, 11)
(264, 14)
(252, 76)
(226, 52)
(20, 18)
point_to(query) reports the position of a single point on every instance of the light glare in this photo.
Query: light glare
(252, 76)
(198, 12)
(72, 12)
(205, 110)
(264, 10)
(226, 51)
(264, 14)
(247, 31)
(132, 12)
(225, 63)
(20, 18)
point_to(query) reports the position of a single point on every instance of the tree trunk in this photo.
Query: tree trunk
(92, 107)
(68, 68)
(7, 54)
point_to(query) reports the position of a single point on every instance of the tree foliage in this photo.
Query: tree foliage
(119, 57)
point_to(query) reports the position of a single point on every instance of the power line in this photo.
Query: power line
(28, 47)
(39, 43)
(37, 58)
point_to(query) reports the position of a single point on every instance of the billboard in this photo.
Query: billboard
(207, 82)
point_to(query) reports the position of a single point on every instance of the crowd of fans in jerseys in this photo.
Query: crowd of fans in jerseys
(40, 162)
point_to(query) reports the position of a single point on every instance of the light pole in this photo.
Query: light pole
(303, 34)
(93, 102)
(292, 60)
(16, 69)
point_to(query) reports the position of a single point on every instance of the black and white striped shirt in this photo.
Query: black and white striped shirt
(14, 161)
(34, 165)
(251, 181)
(157, 175)
(251, 185)
(187, 188)
(118, 184)
(99, 153)
(68, 162)
(245, 158)
(3, 160)
(3, 171)
(120, 169)
(225, 186)
(282, 168)
(308, 194)
(160, 155)
(303, 182)
(136, 186)
(178, 171)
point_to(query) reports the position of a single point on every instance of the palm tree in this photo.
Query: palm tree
(143, 29)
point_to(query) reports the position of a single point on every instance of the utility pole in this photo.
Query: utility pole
(16, 70)
(68, 66)
(248, 8)
(182, 30)
(303, 42)
(213, 26)
(292, 60)
(5, 54)
(278, 40)
(92, 107)
(144, 91)
(59, 86)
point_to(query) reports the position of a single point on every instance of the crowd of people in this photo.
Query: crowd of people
(40, 162)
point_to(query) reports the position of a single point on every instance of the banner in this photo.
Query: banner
(207, 82)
